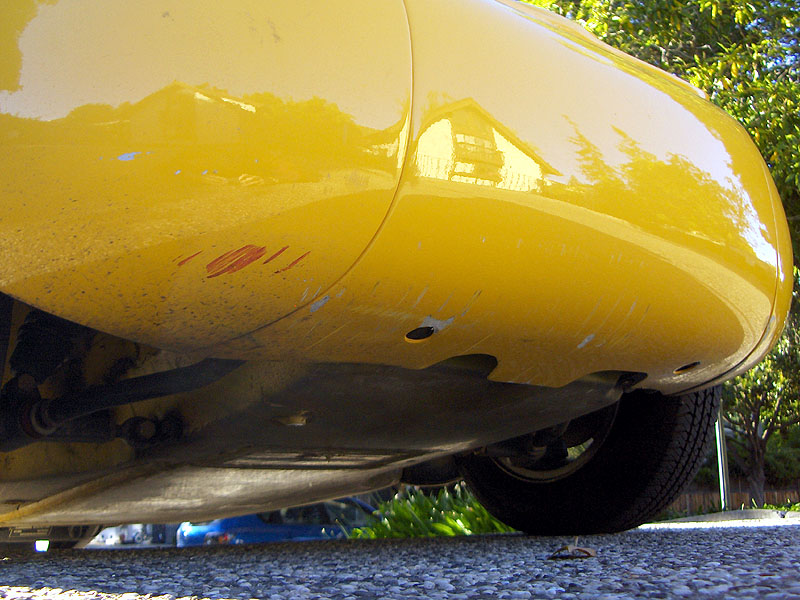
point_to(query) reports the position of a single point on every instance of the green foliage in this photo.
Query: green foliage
(416, 513)
(744, 54)
(670, 513)
(708, 475)
(790, 507)
(782, 460)
(765, 401)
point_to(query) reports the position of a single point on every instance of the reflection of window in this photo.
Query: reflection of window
(461, 167)
(478, 142)
(467, 146)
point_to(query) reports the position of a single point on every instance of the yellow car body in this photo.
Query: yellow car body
(394, 184)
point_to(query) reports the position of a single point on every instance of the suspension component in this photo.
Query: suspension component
(56, 412)
(44, 343)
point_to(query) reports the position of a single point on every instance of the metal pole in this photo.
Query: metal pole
(722, 464)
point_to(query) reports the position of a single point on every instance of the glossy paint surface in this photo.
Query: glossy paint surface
(564, 208)
(300, 183)
(213, 181)
(183, 174)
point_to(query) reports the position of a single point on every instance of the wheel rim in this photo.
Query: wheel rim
(539, 467)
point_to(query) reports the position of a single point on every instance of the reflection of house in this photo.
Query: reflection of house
(387, 145)
(183, 113)
(462, 142)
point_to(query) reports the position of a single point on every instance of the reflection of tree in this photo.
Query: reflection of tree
(277, 139)
(670, 196)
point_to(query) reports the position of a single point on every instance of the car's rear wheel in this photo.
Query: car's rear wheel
(624, 473)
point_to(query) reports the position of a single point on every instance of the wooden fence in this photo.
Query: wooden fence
(699, 501)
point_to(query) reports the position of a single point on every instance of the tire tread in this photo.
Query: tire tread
(652, 453)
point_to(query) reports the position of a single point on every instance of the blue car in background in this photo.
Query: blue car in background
(312, 522)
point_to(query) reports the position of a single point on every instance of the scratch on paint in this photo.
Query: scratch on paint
(419, 298)
(310, 331)
(479, 342)
(188, 258)
(471, 302)
(591, 314)
(341, 292)
(293, 263)
(128, 156)
(233, 261)
(305, 293)
(623, 326)
(325, 337)
(319, 304)
(611, 312)
(586, 340)
(441, 308)
(277, 254)
(399, 302)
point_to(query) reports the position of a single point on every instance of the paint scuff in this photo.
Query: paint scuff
(128, 156)
(319, 303)
(188, 258)
(293, 263)
(235, 260)
(277, 254)
(437, 324)
(586, 340)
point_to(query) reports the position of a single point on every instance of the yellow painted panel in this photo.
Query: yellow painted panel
(213, 180)
(180, 174)
(563, 208)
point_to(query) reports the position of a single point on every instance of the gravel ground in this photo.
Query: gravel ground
(733, 561)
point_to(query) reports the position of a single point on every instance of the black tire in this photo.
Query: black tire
(652, 451)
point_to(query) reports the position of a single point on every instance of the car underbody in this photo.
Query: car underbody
(286, 433)
(270, 255)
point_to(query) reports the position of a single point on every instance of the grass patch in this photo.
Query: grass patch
(414, 512)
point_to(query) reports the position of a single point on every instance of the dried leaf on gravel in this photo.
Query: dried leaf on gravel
(569, 551)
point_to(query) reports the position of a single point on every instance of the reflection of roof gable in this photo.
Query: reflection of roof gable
(446, 111)
(177, 89)
(390, 135)
(174, 89)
